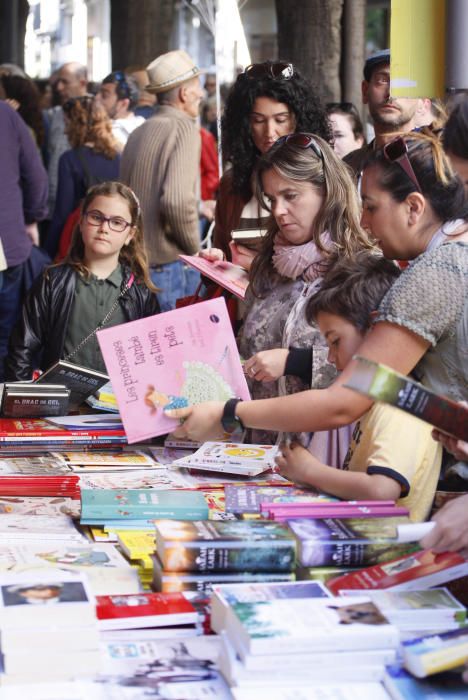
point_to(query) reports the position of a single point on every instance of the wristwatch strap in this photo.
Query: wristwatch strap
(229, 420)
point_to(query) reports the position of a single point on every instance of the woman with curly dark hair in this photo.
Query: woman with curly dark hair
(268, 100)
(24, 96)
(93, 158)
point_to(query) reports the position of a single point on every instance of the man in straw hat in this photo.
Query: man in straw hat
(161, 163)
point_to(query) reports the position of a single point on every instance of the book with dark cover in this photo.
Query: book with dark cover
(249, 237)
(348, 541)
(26, 400)
(82, 381)
(444, 686)
(384, 384)
(233, 545)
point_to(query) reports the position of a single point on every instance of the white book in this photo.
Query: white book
(38, 527)
(231, 458)
(317, 691)
(75, 663)
(50, 637)
(300, 626)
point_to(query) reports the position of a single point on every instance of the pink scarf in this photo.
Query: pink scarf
(304, 260)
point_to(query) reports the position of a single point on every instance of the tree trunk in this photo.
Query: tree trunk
(309, 35)
(13, 16)
(353, 56)
(140, 31)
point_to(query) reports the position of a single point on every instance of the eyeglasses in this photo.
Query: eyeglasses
(277, 70)
(397, 152)
(302, 141)
(97, 218)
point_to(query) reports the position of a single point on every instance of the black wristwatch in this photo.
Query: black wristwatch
(229, 420)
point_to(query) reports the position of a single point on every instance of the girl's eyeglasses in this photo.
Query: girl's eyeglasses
(396, 151)
(277, 70)
(96, 218)
(303, 141)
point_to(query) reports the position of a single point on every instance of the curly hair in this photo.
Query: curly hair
(87, 122)
(133, 255)
(236, 138)
(26, 93)
(339, 214)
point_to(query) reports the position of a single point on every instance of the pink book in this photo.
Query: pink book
(171, 360)
(361, 512)
(302, 502)
(229, 276)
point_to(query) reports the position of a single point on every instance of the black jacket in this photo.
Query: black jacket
(44, 319)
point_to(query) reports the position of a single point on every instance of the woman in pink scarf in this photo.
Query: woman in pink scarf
(314, 221)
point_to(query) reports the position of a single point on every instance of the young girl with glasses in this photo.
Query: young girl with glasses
(103, 278)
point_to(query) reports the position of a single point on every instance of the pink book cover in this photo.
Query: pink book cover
(365, 512)
(171, 360)
(229, 276)
(318, 501)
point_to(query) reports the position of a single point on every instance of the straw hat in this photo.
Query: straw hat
(170, 70)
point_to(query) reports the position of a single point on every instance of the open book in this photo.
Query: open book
(384, 384)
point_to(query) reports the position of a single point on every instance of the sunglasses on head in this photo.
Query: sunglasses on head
(302, 141)
(277, 70)
(120, 77)
(396, 151)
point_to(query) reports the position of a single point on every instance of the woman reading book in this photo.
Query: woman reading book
(415, 207)
(103, 282)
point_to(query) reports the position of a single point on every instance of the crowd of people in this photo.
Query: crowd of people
(364, 249)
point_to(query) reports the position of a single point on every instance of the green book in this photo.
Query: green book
(141, 504)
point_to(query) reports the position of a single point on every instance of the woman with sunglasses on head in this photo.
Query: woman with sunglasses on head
(93, 158)
(415, 207)
(314, 221)
(104, 281)
(348, 131)
(268, 100)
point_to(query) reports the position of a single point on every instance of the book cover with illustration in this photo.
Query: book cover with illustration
(384, 384)
(144, 610)
(436, 652)
(141, 504)
(233, 458)
(401, 685)
(290, 625)
(247, 499)
(171, 360)
(348, 541)
(233, 545)
(229, 276)
(414, 571)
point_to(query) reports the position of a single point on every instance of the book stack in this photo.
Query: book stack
(138, 546)
(436, 652)
(306, 639)
(195, 555)
(231, 458)
(48, 628)
(26, 400)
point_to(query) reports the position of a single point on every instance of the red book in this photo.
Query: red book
(30, 428)
(419, 570)
(116, 612)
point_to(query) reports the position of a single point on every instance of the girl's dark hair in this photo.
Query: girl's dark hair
(132, 255)
(455, 134)
(440, 186)
(236, 139)
(24, 91)
(88, 122)
(353, 289)
(348, 110)
(339, 215)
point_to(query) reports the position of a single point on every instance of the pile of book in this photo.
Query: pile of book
(48, 629)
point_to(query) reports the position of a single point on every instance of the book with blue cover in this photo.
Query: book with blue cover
(141, 504)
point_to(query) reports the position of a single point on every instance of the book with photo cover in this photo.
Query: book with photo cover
(382, 383)
(171, 360)
(26, 400)
(232, 458)
(82, 381)
(229, 276)
(144, 610)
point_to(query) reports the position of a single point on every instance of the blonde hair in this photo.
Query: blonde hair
(339, 215)
(133, 254)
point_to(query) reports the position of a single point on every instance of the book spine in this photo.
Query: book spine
(281, 515)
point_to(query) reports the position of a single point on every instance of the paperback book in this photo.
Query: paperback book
(401, 685)
(435, 653)
(82, 381)
(384, 384)
(27, 400)
(249, 237)
(171, 360)
(415, 571)
(248, 499)
(348, 541)
(224, 546)
(229, 276)
(144, 610)
(38, 527)
(232, 458)
(141, 504)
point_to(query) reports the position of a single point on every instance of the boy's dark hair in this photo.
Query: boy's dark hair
(354, 288)
(126, 87)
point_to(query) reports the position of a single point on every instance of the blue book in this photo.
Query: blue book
(103, 505)
(444, 686)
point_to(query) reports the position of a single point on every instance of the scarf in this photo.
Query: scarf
(304, 260)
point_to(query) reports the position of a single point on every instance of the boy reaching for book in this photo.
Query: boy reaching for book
(392, 455)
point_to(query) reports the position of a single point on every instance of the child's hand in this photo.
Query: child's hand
(267, 366)
(295, 463)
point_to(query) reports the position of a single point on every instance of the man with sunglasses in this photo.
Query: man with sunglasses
(118, 95)
(390, 116)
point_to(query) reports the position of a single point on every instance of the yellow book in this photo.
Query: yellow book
(136, 543)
